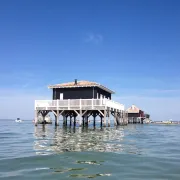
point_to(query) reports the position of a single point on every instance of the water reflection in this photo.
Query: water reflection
(50, 140)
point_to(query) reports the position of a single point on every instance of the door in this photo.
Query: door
(61, 96)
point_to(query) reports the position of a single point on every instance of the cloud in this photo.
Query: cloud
(93, 38)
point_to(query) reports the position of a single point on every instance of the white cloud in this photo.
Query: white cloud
(94, 38)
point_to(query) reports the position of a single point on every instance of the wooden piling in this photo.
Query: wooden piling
(94, 122)
(64, 118)
(83, 121)
(74, 121)
(105, 114)
(101, 123)
(122, 118)
(109, 118)
(70, 123)
(118, 117)
(115, 118)
(36, 118)
(80, 118)
(57, 118)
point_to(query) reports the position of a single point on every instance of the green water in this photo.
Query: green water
(131, 152)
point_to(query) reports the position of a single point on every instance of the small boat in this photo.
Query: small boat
(18, 120)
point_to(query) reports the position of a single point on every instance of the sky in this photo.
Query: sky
(132, 47)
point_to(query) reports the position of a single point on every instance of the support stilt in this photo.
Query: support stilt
(64, 119)
(101, 120)
(123, 122)
(80, 118)
(36, 118)
(115, 118)
(70, 120)
(108, 118)
(86, 119)
(105, 118)
(126, 118)
(74, 121)
(94, 123)
(83, 121)
(121, 118)
(57, 118)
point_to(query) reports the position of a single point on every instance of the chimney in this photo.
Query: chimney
(75, 81)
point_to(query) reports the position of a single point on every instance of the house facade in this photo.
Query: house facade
(80, 90)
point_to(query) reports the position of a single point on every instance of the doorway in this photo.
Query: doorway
(61, 96)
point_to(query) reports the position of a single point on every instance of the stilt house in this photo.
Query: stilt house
(82, 99)
(135, 115)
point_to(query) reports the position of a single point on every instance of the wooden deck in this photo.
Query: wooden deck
(78, 104)
(82, 108)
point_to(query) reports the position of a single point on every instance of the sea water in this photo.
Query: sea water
(136, 151)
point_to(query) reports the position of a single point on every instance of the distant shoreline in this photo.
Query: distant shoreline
(152, 122)
(165, 122)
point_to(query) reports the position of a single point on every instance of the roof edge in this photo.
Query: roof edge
(98, 85)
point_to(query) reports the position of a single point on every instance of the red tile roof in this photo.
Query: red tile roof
(80, 84)
(133, 109)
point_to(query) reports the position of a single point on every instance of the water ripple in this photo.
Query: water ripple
(130, 152)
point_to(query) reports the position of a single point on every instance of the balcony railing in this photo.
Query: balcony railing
(77, 104)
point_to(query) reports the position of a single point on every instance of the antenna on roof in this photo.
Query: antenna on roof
(75, 81)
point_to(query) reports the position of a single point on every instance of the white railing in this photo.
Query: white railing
(115, 105)
(78, 103)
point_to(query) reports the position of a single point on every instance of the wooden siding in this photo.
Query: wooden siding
(80, 93)
(140, 114)
(104, 93)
